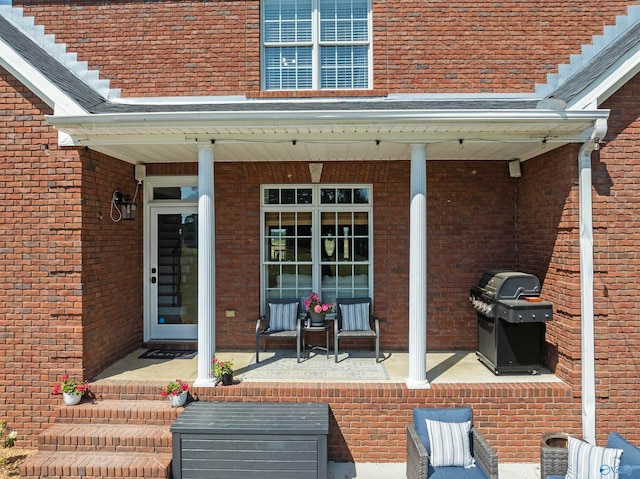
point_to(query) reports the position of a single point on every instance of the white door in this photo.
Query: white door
(173, 272)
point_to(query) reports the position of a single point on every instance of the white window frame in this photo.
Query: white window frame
(316, 45)
(316, 208)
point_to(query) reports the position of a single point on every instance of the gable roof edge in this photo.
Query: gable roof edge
(601, 68)
(39, 84)
(616, 77)
(27, 47)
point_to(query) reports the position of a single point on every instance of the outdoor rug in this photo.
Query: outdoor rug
(168, 354)
(282, 366)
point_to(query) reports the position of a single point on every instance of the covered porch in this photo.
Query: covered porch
(387, 143)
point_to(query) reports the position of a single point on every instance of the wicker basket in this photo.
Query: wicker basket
(553, 454)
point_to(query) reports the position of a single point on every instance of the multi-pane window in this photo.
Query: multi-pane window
(316, 44)
(317, 239)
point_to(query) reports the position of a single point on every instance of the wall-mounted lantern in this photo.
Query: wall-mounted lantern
(124, 207)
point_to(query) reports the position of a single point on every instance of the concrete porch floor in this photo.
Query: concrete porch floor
(442, 367)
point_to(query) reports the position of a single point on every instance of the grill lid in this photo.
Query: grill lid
(499, 284)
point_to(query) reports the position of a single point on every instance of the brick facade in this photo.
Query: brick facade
(368, 421)
(466, 236)
(213, 48)
(72, 279)
(617, 242)
(72, 282)
(112, 264)
(40, 259)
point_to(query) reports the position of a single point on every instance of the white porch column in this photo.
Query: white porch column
(418, 270)
(206, 266)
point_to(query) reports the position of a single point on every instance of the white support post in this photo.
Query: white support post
(206, 266)
(418, 270)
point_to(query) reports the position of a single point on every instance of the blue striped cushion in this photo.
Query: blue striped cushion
(355, 317)
(282, 316)
(450, 445)
(592, 462)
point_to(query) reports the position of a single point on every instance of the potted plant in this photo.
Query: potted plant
(317, 309)
(176, 391)
(223, 371)
(71, 390)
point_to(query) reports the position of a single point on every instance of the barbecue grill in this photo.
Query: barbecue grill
(510, 318)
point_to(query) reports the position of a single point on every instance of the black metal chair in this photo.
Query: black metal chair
(350, 324)
(265, 327)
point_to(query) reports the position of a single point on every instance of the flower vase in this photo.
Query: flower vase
(317, 319)
(226, 379)
(71, 399)
(178, 399)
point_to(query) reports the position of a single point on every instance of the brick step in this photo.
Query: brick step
(72, 465)
(138, 390)
(106, 438)
(145, 412)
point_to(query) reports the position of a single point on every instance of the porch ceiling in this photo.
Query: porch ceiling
(326, 135)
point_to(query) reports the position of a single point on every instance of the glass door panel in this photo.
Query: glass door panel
(174, 272)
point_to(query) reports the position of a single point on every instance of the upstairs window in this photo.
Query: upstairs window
(316, 44)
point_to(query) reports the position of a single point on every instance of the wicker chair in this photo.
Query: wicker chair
(418, 466)
(264, 330)
(554, 461)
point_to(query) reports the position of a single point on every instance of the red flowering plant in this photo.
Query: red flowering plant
(71, 386)
(174, 388)
(218, 368)
(315, 305)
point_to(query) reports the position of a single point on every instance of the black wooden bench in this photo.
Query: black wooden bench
(231, 440)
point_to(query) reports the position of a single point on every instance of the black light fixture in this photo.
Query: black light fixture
(126, 208)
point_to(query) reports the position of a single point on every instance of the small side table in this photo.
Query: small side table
(313, 329)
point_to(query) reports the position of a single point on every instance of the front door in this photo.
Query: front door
(173, 272)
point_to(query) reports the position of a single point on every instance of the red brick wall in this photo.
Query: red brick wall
(548, 246)
(180, 49)
(71, 297)
(468, 232)
(471, 228)
(40, 260)
(111, 264)
(367, 422)
(616, 172)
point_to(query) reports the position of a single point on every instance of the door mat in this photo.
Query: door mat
(168, 354)
(283, 366)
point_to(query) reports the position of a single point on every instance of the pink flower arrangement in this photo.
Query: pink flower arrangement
(174, 388)
(314, 304)
(71, 386)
